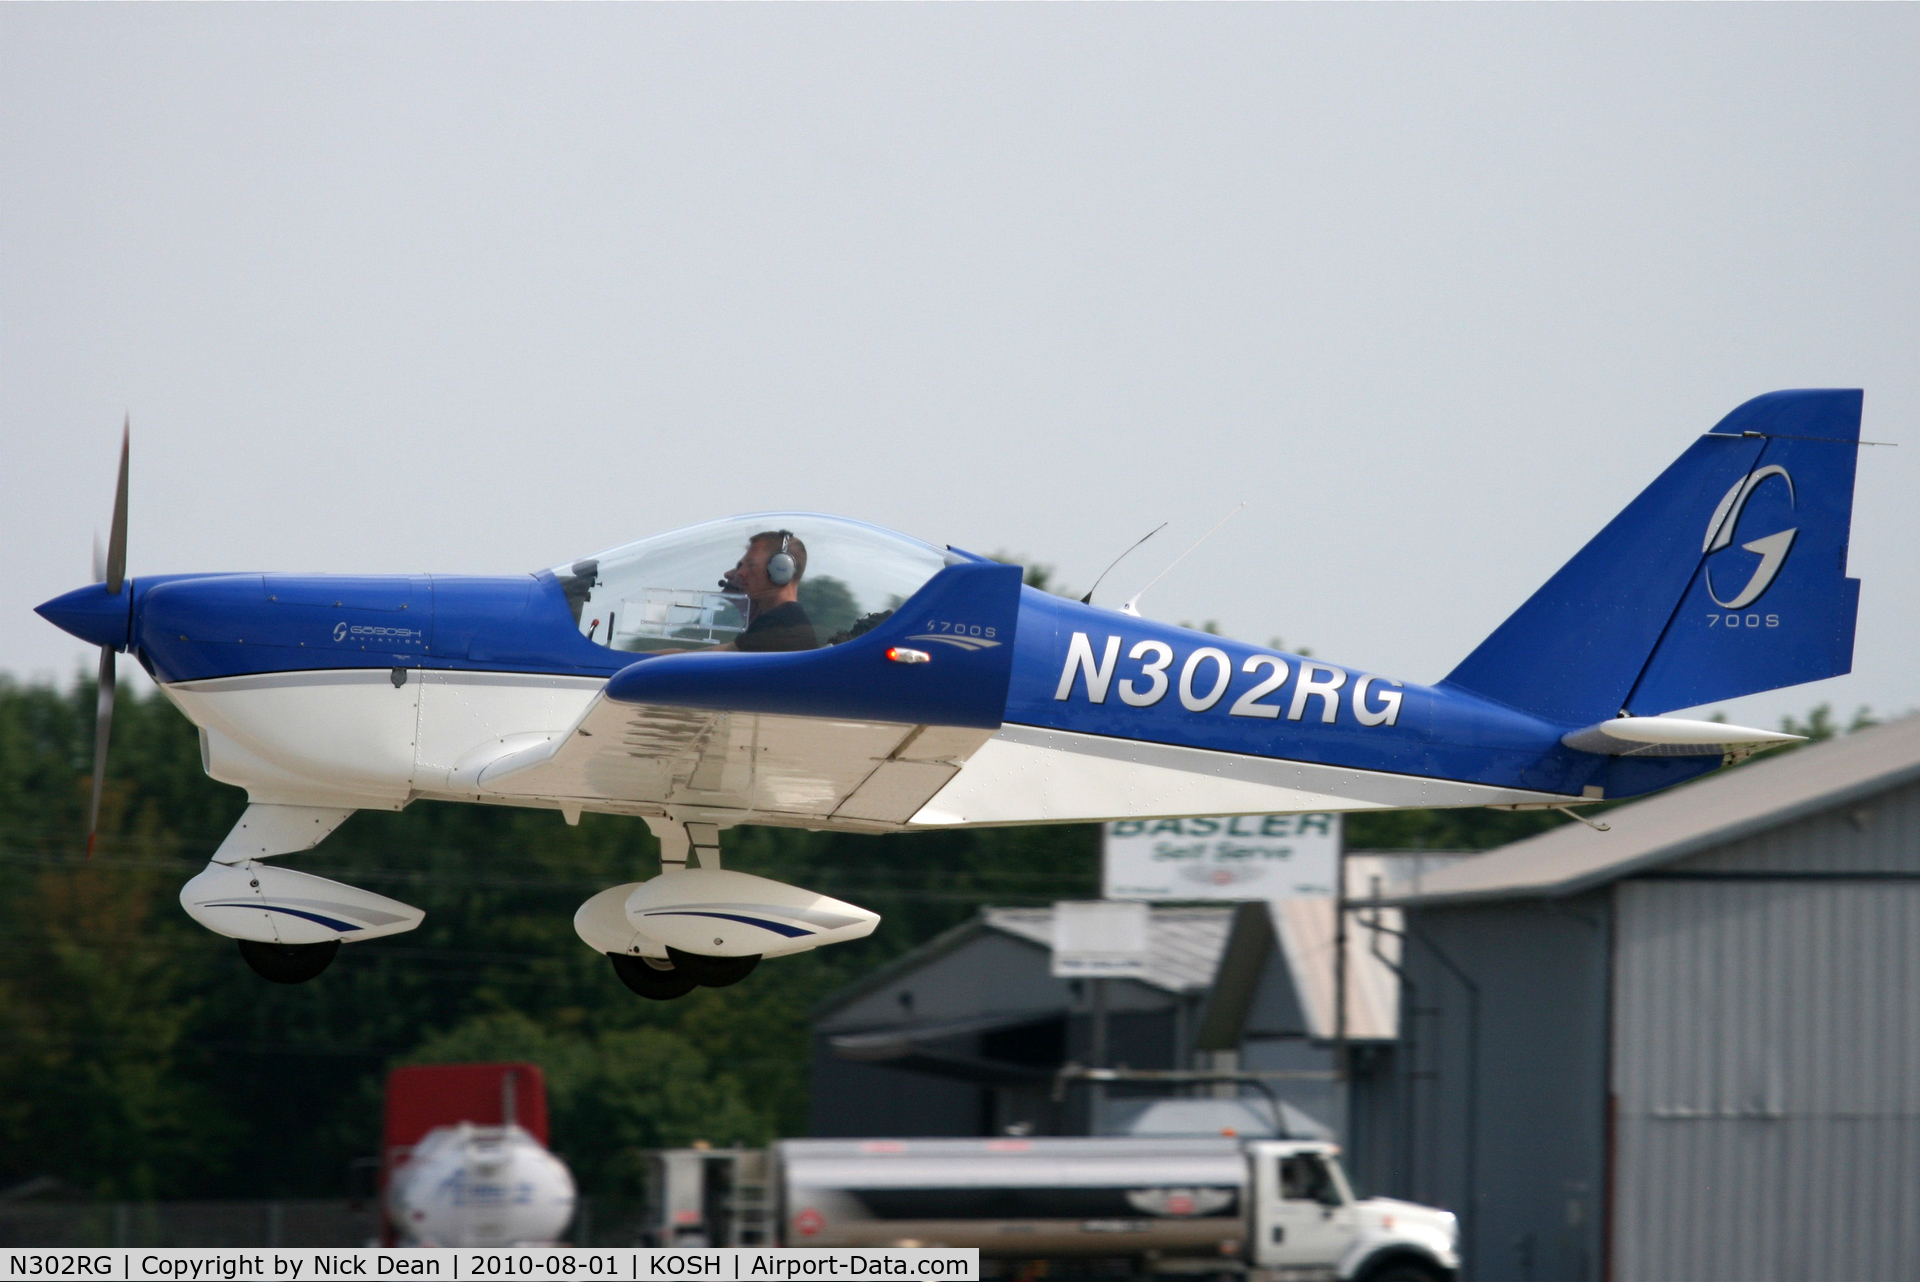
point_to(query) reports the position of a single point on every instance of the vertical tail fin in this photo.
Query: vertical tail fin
(1725, 577)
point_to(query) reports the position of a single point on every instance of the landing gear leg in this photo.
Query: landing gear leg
(684, 843)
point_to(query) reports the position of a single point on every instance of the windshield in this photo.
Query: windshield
(773, 581)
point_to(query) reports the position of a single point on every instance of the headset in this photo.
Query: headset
(780, 566)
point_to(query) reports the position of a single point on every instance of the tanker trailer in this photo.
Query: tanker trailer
(1041, 1197)
(464, 1159)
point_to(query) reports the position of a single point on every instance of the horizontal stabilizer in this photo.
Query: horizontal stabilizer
(1673, 737)
(944, 658)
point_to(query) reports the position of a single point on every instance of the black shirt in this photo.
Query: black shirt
(785, 627)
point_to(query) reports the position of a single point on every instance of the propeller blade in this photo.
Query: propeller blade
(117, 538)
(102, 730)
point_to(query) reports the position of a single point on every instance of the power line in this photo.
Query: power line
(895, 882)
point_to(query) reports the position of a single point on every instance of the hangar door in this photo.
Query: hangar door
(1766, 1080)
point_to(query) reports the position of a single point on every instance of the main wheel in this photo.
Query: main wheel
(288, 963)
(646, 978)
(1404, 1271)
(712, 972)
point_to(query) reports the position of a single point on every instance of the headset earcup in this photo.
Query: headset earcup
(780, 569)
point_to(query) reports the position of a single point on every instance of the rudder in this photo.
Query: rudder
(1724, 577)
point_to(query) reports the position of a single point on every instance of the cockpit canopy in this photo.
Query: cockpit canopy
(772, 581)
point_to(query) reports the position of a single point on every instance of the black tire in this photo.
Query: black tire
(288, 963)
(1404, 1271)
(712, 972)
(649, 980)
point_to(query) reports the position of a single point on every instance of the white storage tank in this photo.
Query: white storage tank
(470, 1185)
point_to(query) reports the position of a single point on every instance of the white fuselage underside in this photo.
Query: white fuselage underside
(352, 738)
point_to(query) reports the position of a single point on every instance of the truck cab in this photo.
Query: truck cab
(1305, 1223)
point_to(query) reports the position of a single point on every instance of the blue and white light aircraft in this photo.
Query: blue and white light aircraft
(805, 670)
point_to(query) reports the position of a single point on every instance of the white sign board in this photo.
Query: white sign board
(1099, 938)
(1236, 857)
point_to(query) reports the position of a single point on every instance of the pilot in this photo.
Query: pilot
(768, 575)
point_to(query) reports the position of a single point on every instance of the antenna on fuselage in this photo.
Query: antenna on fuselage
(1133, 602)
(1088, 598)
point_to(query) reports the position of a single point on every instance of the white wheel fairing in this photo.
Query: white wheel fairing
(602, 925)
(721, 913)
(280, 906)
(718, 914)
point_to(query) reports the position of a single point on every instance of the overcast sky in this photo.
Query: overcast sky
(1435, 290)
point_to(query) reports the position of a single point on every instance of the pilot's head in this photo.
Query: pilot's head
(760, 576)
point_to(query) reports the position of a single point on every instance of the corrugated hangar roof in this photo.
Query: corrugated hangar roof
(1305, 930)
(1191, 948)
(1185, 947)
(1183, 944)
(1686, 820)
(1301, 933)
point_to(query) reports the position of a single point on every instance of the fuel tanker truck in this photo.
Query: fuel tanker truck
(464, 1159)
(1273, 1209)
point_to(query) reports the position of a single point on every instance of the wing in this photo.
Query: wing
(846, 772)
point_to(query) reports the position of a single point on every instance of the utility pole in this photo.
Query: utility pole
(1099, 1048)
(1097, 1095)
(1343, 1091)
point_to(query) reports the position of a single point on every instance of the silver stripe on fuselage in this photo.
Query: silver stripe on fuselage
(376, 676)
